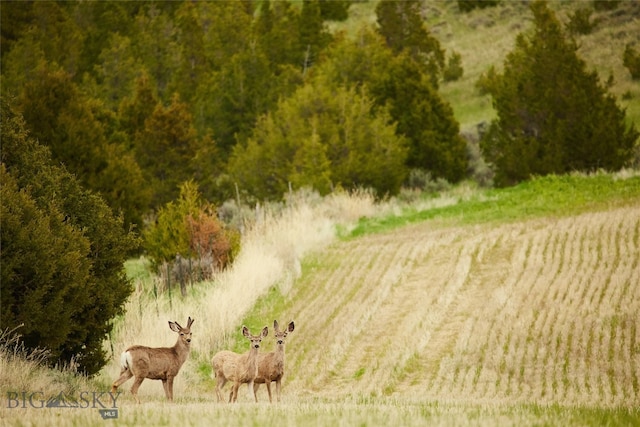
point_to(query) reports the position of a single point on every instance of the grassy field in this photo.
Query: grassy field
(522, 311)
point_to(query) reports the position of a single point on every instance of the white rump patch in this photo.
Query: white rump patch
(125, 360)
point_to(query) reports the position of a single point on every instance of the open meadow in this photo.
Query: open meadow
(477, 307)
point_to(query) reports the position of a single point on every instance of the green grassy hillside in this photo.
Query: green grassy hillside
(483, 37)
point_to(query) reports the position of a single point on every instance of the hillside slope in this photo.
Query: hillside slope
(541, 311)
(483, 38)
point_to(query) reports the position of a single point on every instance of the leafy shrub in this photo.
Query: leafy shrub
(631, 60)
(469, 5)
(423, 180)
(63, 252)
(580, 21)
(188, 242)
(487, 81)
(453, 71)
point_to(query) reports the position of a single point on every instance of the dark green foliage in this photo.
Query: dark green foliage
(236, 95)
(169, 235)
(402, 26)
(453, 71)
(606, 4)
(62, 254)
(631, 61)
(61, 118)
(553, 115)
(488, 81)
(14, 21)
(320, 138)
(398, 83)
(313, 36)
(277, 27)
(166, 148)
(580, 21)
(156, 45)
(468, 5)
(334, 10)
(425, 119)
(83, 136)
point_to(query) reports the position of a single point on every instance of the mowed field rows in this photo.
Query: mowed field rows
(540, 312)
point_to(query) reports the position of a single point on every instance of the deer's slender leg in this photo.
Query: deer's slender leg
(135, 387)
(125, 374)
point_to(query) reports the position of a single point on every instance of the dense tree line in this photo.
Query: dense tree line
(137, 97)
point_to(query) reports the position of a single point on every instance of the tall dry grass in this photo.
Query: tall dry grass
(272, 247)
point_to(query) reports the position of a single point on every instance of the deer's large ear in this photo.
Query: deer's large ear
(265, 332)
(189, 322)
(275, 325)
(245, 332)
(291, 326)
(175, 327)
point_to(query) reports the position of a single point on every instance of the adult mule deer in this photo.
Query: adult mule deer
(239, 368)
(271, 365)
(161, 363)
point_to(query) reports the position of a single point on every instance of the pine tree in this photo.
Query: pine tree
(315, 125)
(166, 148)
(425, 119)
(313, 36)
(62, 253)
(554, 116)
(401, 24)
(398, 83)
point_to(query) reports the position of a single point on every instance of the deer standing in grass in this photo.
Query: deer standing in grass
(271, 365)
(239, 368)
(161, 363)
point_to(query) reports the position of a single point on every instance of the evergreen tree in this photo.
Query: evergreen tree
(279, 32)
(425, 119)
(553, 115)
(60, 117)
(136, 109)
(235, 96)
(334, 10)
(166, 148)
(310, 165)
(402, 26)
(316, 135)
(192, 68)
(313, 36)
(63, 251)
(155, 43)
(398, 83)
(79, 132)
(115, 71)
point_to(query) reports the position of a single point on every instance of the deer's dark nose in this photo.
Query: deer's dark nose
(188, 339)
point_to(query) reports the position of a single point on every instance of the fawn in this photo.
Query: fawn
(239, 368)
(162, 363)
(271, 365)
